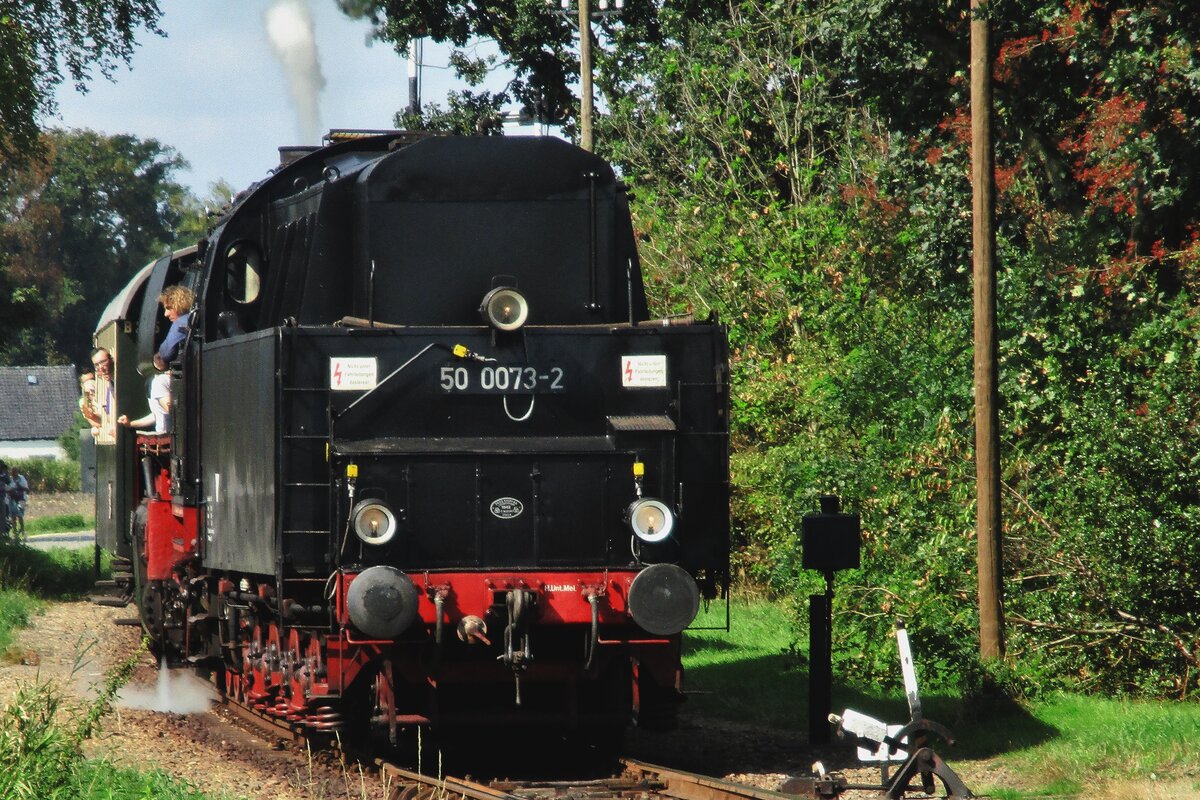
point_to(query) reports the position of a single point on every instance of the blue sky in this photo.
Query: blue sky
(216, 92)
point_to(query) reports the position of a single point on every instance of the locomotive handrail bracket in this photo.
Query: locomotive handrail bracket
(394, 445)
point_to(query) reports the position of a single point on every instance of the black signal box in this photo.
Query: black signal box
(830, 540)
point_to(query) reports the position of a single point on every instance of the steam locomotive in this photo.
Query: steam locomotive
(429, 460)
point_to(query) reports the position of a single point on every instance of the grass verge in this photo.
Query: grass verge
(1062, 746)
(41, 735)
(55, 574)
(16, 607)
(98, 779)
(727, 671)
(61, 523)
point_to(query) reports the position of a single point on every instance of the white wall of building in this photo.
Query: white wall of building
(32, 448)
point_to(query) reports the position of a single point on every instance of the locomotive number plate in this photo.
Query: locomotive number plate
(501, 379)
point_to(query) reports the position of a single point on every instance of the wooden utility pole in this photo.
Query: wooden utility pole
(987, 427)
(585, 75)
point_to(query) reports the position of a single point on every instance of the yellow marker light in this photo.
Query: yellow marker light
(460, 350)
(639, 469)
(352, 470)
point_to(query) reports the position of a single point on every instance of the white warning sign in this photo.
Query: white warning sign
(643, 372)
(352, 374)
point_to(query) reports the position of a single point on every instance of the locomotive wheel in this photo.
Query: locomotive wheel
(271, 660)
(314, 662)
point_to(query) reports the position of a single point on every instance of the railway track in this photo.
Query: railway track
(637, 781)
(630, 779)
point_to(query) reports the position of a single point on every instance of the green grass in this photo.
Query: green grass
(28, 577)
(1114, 739)
(41, 747)
(63, 523)
(727, 671)
(16, 607)
(1063, 746)
(55, 574)
(98, 779)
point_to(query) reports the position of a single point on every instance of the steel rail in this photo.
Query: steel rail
(638, 781)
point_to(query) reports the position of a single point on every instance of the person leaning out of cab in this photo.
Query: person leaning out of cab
(177, 305)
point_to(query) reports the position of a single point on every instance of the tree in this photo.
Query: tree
(196, 215)
(39, 41)
(73, 229)
(536, 41)
(802, 168)
(467, 114)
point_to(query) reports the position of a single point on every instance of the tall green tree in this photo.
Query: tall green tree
(43, 43)
(74, 228)
(802, 167)
(537, 42)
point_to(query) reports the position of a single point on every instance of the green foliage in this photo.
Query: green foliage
(41, 740)
(41, 40)
(804, 172)
(69, 439)
(537, 42)
(49, 474)
(197, 215)
(52, 574)
(16, 607)
(73, 228)
(467, 114)
(36, 753)
(1110, 570)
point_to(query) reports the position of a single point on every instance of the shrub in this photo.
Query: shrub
(69, 440)
(49, 475)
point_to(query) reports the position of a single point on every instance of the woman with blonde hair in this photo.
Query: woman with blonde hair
(177, 305)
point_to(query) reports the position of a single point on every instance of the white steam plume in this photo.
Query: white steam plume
(292, 34)
(176, 692)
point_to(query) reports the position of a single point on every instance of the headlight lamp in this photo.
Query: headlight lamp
(504, 308)
(373, 522)
(650, 520)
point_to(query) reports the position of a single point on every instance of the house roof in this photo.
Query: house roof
(37, 402)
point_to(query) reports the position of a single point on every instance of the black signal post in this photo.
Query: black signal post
(831, 541)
